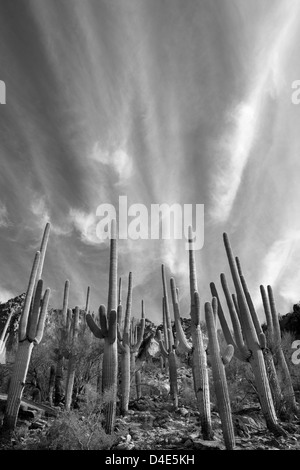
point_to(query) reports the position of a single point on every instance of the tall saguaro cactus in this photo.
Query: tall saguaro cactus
(199, 360)
(72, 343)
(63, 335)
(129, 345)
(108, 332)
(31, 329)
(219, 376)
(169, 353)
(268, 357)
(274, 339)
(255, 345)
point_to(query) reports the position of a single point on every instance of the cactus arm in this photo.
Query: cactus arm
(180, 336)
(262, 340)
(119, 318)
(119, 335)
(27, 303)
(235, 303)
(162, 346)
(34, 312)
(94, 327)
(42, 317)
(122, 349)
(224, 325)
(103, 318)
(270, 329)
(245, 316)
(240, 349)
(227, 354)
(251, 306)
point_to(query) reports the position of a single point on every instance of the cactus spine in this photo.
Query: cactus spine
(72, 342)
(255, 345)
(108, 331)
(219, 376)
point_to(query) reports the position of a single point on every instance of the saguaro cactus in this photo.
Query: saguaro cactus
(274, 340)
(108, 331)
(169, 353)
(199, 360)
(31, 328)
(63, 336)
(129, 343)
(268, 357)
(255, 345)
(124, 344)
(219, 376)
(72, 355)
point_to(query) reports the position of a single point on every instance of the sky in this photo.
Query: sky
(162, 101)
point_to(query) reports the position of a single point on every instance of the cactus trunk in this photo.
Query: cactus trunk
(17, 384)
(219, 376)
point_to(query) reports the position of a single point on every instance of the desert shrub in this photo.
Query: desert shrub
(79, 429)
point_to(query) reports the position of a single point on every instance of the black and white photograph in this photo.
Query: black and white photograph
(149, 228)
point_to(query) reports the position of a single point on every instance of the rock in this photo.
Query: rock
(188, 443)
(208, 445)
(183, 412)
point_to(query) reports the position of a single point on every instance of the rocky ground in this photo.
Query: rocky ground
(153, 424)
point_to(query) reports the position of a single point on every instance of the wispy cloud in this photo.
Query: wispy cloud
(118, 159)
(4, 220)
(244, 119)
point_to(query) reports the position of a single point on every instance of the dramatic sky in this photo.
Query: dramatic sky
(163, 101)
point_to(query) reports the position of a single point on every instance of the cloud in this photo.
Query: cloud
(85, 223)
(118, 159)
(4, 221)
(41, 211)
(6, 294)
